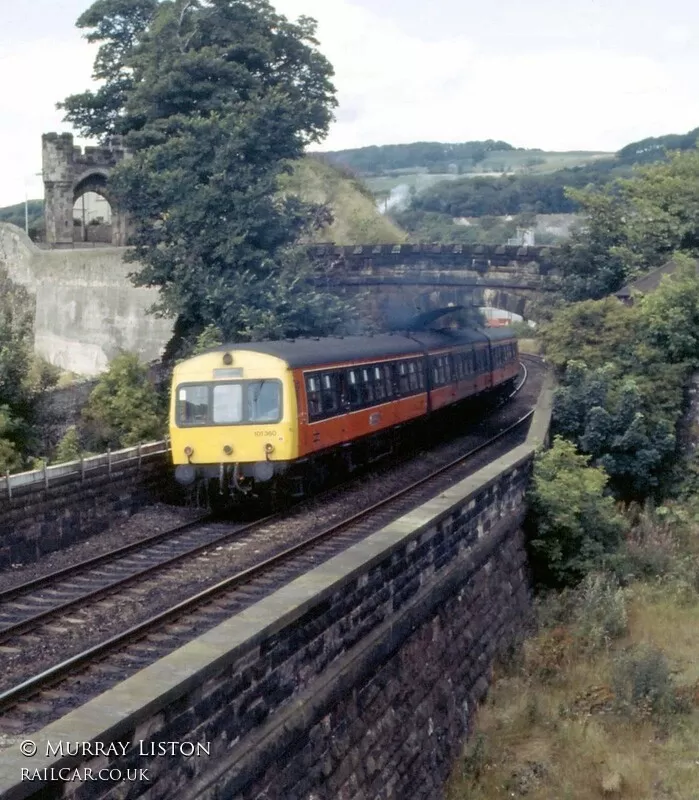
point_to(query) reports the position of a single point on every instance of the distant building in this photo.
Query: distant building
(647, 283)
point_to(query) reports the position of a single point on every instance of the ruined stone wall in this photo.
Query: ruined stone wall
(358, 679)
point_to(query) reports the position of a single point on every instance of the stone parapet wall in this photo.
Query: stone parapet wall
(45, 511)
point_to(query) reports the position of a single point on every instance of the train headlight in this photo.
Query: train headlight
(227, 449)
(227, 359)
(189, 451)
(269, 448)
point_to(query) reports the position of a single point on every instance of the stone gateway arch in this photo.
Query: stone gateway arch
(68, 174)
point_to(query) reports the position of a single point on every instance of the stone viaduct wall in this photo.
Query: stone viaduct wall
(357, 680)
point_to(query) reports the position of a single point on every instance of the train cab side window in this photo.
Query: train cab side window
(315, 408)
(330, 392)
(193, 405)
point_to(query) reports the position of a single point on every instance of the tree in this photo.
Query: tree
(632, 226)
(671, 314)
(23, 376)
(590, 262)
(124, 408)
(221, 96)
(119, 25)
(606, 416)
(575, 522)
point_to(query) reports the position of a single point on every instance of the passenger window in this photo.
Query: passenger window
(412, 377)
(403, 383)
(228, 403)
(368, 387)
(330, 393)
(379, 387)
(355, 398)
(193, 405)
(388, 380)
(313, 394)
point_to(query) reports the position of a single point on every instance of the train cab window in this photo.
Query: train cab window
(313, 394)
(228, 403)
(264, 401)
(193, 405)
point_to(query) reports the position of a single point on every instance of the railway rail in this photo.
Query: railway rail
(84, 674)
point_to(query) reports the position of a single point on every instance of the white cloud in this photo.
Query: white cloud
(393, 86)
(36, 76)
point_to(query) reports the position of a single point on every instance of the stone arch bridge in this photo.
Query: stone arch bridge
(87, 309)
(420, 277)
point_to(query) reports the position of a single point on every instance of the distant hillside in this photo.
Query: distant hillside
(15, 215)
(438, 158)
(430, 156)
(357, 220)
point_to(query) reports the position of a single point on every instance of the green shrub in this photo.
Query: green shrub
(574, 523)
(68, 449)
(642, 684)
(124, 407)
(599, 611)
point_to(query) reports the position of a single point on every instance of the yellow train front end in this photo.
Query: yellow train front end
(233, 422)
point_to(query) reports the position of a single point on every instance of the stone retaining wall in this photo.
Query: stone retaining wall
(359, 679)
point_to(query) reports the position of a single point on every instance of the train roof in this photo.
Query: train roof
(315, 351)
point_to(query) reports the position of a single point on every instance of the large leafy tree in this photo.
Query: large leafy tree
(215, 99)
(631, 226)
(118, 26)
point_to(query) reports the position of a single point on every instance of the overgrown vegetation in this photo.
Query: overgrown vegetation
(124, 408)
(604, 700)
(23, 376)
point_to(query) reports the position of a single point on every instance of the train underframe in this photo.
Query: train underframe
(227, 487)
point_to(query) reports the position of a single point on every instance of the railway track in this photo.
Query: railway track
(70, 682)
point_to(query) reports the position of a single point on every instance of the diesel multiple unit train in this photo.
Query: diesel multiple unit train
(271, 417)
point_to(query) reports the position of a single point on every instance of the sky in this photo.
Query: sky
(552, 74)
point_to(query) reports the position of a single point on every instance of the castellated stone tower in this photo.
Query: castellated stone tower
(68, 174)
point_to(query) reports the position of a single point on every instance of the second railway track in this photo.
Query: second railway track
(89, 671)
